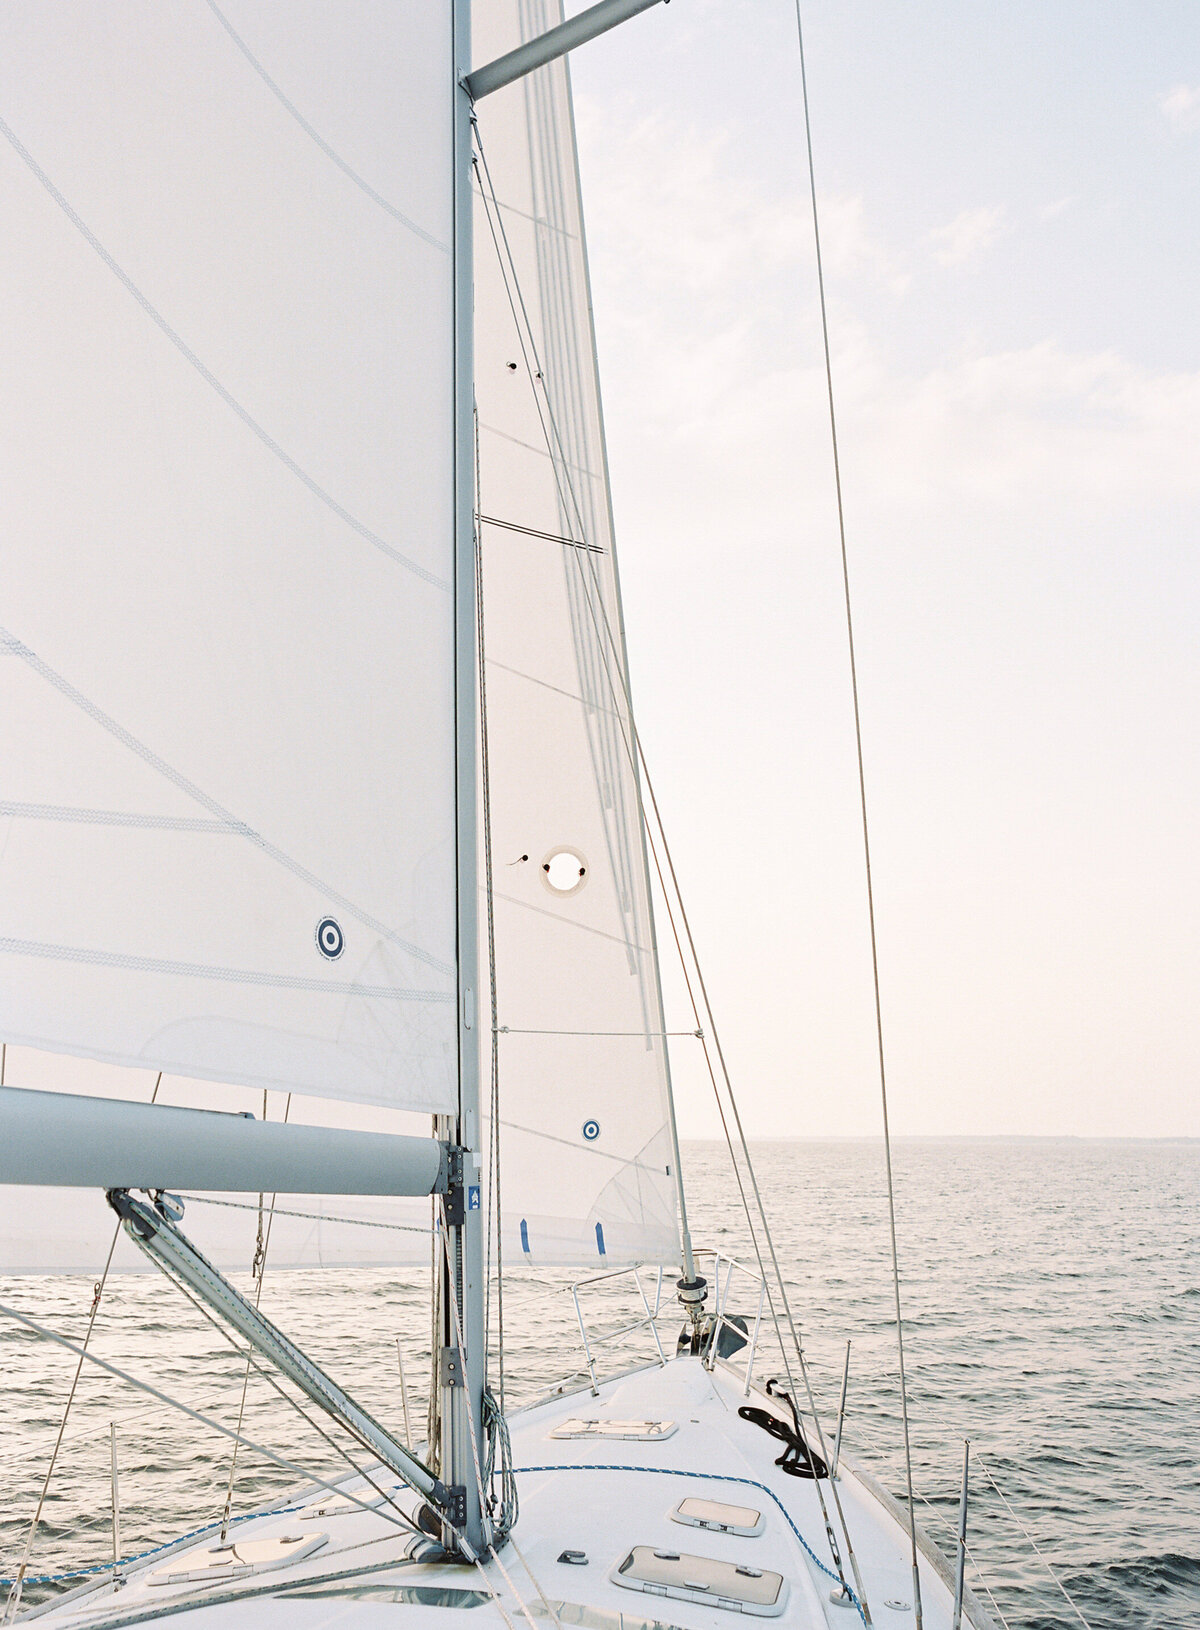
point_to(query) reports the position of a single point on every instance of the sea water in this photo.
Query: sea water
(1051, 1299)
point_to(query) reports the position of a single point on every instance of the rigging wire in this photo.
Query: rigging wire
(938, 1516)
(507, 1476)
(309, 1216)
(494, 1224)
(619, 687)
(256, 1273)
(277, 1386)
(759, 1205)
(862, 795)
(1074, 1606)
(560, 466)
(13, 1602)
(193, 1414)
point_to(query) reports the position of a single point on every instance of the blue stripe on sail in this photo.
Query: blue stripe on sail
(600, 1239)
(524, 1236)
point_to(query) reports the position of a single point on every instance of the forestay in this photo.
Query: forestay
(581, 1056)
(226, 656)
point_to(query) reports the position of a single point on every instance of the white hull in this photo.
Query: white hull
(601, 1498)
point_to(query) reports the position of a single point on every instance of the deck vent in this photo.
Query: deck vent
(617, 1431)
(248, 1556)
(703, 1579)
(718, 1518)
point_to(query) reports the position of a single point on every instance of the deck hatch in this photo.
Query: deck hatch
(617, 1431)
(719, 1518)
(702, 1579)
(238, 1561)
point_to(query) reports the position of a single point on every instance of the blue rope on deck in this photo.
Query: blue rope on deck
(715, 1477)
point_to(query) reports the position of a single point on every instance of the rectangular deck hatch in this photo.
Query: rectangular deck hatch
(718, 1518)
(620, 1431)
(738, 1589)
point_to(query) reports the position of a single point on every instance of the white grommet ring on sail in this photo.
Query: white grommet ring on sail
(564, 871)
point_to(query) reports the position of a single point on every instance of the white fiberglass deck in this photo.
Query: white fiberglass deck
(598, 1496)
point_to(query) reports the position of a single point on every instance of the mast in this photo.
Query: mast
(462, 1371)
(462, 1380)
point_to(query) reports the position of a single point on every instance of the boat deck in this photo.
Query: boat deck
(597, 1497)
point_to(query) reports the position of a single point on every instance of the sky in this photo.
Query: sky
(1010, 208)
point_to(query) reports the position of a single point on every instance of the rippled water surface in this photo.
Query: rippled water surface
(1052, 1313)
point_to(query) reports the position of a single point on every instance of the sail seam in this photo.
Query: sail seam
(558, 690)
(199, 970)
(542, 452)
(11, 643)
(290, 107)
(584, 1148)
(116, 817)
(307, 1216)
(585, 928)
(208, 376)
(514, 209)
(591, 664)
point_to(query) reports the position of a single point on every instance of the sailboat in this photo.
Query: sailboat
(322, 785)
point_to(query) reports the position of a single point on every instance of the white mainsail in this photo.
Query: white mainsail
(581, 1055)
(226, 627)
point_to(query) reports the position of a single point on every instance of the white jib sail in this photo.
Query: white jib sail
(581, 1053)
(226, 635)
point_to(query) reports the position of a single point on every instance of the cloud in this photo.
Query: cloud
(1038, 429)
(965, 238)
(705, 284)
(683, 215)
(1180, 107)
(1059, 206)
(849, 246)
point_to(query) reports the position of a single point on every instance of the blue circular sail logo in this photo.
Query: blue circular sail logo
(330, 940)
(591, 1130)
